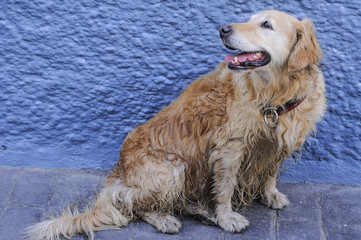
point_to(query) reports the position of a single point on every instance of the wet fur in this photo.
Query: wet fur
(211, 146)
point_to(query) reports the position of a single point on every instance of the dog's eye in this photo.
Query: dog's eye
(266, 24)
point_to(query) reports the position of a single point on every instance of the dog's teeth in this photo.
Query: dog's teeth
(235, 60)
(257, 54)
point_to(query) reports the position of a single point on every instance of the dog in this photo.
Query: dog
(221, 143)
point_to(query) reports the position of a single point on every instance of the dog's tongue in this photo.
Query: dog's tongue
(242, 57)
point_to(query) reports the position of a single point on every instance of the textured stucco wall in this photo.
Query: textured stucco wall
(76, 76)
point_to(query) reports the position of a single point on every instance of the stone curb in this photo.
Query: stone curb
(317, 211)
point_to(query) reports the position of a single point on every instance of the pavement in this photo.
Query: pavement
(317, 211)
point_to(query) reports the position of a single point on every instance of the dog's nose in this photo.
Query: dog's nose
(225, 31)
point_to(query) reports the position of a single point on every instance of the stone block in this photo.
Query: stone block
(7, 178)
(16, 220)
(342, 194)
(299, 230)
(72, 186)
(342, 220)
(34, 187)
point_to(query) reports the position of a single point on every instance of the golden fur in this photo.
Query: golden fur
(211, 147)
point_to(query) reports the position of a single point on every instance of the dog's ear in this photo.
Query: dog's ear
(306, 51)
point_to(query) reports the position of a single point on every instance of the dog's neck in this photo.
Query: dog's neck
(278, 87)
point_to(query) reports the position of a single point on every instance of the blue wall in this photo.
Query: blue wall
(76, 76)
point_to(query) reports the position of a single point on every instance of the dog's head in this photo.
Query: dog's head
(271, 39)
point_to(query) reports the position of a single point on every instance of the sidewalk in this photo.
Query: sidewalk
(317, 211)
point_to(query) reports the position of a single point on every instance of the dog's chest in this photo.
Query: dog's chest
(246, 123)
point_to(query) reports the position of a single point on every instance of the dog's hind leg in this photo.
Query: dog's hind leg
(165, 223)
(151, 192)
(202, 212)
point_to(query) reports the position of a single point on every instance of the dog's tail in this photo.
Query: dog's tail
(105, 215)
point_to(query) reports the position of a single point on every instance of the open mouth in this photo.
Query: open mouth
(247, 60)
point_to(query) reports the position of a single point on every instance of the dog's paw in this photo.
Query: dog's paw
(275, 200)
(232, 222)
(168, 224)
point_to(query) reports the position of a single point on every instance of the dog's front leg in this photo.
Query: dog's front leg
(226, 163)
(271, 197)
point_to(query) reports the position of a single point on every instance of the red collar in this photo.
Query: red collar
(274, 113)
(289, 106)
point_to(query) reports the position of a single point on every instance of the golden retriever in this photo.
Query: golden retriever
(221, 143)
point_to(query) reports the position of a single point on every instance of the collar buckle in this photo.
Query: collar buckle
(274, 112)
(270, 112)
